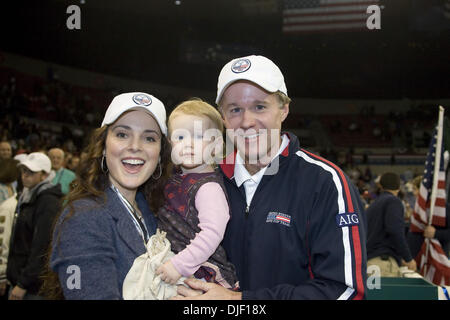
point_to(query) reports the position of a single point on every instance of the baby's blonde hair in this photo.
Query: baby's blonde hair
(198, 107)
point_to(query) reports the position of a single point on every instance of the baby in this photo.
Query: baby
(196, 211)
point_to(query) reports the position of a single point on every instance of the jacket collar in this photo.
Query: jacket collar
(30, 195)
(125, 225)
(228, 164)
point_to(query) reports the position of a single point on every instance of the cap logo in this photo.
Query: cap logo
(142, 99)
(241, 65)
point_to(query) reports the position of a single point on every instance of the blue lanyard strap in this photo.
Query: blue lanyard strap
(138, 221)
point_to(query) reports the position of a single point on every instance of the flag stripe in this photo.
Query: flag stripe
(440, 202)
(324, 11)
(323, 15)
(283, 219)
(438, 220)
(312, 29)
(337, 21)
(438, 271)
(435, 266)
(416, 225)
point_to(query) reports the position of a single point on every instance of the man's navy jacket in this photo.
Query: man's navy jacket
(386, 229)
(303, 235)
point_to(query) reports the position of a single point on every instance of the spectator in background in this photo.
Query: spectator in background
(8, 169)
(5, 150)
(8, 178)
(411, 191)
(7, 209)
(416, 185)
(63, 176)
(386, 241)
(31, 234)
(73, 162)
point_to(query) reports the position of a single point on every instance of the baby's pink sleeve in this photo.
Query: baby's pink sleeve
(213, 215)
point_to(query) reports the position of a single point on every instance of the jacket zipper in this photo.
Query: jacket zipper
(245, 269)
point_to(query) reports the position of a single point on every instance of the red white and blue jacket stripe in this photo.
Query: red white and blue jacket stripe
(303, 235)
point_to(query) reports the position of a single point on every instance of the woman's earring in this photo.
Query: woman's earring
(103, 164)
(160, 171)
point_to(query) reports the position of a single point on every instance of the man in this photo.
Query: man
(386, 242)
(5, 150)
(297, 227)
(73, 162)
(63, 176)
(31, 234)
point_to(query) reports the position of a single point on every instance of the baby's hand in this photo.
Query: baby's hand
(168, 273)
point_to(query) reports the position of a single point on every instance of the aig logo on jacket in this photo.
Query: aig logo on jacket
(347, 219)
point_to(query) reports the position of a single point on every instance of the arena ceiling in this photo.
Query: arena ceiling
(185, 43)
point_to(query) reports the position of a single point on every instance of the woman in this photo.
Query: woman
(9, 173)
(106, 220)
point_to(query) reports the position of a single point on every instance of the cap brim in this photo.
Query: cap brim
(30, 166)
(162, 127)
(229, 83)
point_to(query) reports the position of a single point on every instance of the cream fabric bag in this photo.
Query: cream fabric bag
(141, 282)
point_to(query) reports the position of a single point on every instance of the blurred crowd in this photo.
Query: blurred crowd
(369, 187)
(38, 114)
(55, 119)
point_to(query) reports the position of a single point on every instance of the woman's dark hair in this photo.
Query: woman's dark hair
(91, 182)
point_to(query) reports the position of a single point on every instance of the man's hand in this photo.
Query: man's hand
(168, 273)
(17, 293)
(201, 290)
(429, 232)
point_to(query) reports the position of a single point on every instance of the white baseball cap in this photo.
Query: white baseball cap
(37, 161)
(20, 157)
(257, 69)
(135, 100)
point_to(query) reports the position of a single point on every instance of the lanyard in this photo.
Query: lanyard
(138, 222)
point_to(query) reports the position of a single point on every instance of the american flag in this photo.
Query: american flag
(282, 218)
(306, 16)
(433, 264)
